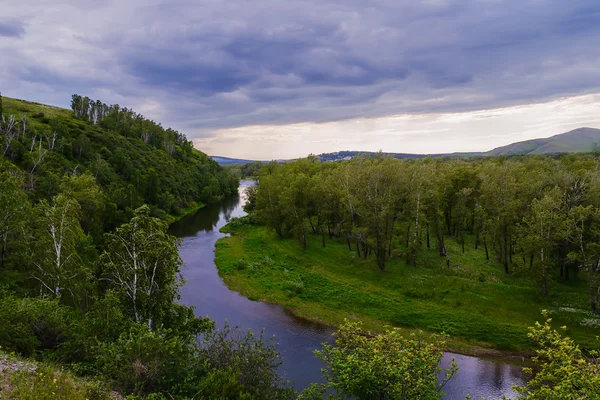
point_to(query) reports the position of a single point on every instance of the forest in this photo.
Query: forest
(537, 216)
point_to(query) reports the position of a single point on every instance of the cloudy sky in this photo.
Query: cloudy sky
(270, 79)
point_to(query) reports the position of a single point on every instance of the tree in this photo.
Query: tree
(58, 267)
(584, 235)
(373, 193)
(542, 227)
(12, 204)
(563, 371)
(84, 189)
(383, 366)
(500, 200)
(8, 130)
(142, 264)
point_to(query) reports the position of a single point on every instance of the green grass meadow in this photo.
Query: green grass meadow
(479, 307)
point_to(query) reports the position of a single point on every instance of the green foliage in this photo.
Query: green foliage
(13, 210)
(521, 211)
(252, 360)
(383, 366)
(58, 267)
(133, 161)
(562, 370)
(142, 265)
(145, 361)
(28, 325)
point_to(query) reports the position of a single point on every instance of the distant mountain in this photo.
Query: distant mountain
(579, 140)
(227, 161)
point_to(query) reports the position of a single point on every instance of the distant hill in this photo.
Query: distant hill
(228, 161)
(581, 140)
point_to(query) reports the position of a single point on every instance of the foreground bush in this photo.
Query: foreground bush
(383, 366)
(562, 370)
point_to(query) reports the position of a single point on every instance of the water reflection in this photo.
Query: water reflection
(481, 378)
(297, 337)
(206, 219)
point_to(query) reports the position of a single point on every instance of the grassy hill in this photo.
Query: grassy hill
(133, 159)
(581, 140)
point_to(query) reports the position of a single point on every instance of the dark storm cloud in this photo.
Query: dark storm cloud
(11, 28)
(217, 64)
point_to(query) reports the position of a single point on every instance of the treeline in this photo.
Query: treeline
(129, 123)
(245, 171)
(538, 216)
(134, 161)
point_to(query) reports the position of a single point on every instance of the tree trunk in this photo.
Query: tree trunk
(314, 231)
(506, 271)
(487, 253)
(428, 245)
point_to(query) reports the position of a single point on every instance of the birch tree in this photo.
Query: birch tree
(142, 264)
(7, 128)
(57, 265)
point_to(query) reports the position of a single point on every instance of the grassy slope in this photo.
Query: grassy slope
(32, 110)
(477, 305)
(20, 379)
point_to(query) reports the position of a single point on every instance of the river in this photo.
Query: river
(297, 338)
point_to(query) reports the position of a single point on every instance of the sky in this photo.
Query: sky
(270, 79)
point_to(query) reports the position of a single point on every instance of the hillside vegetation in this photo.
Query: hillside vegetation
(135, 161)
(90, 277)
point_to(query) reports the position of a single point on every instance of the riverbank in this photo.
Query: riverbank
(171, 219)
(484, 312)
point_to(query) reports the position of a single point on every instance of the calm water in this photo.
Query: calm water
(297, 338)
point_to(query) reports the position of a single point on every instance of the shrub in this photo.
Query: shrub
(382, 366)
(295, 286)
(242, 364)
(241, 264)
(146, 361)
(31, 324)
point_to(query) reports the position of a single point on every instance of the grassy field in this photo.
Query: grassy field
(475, 303)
